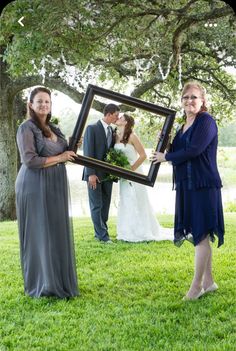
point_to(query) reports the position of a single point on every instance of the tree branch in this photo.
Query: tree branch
(139, 91)
(56, 83)
(191, 21)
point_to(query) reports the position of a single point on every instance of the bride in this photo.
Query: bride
(136, 220)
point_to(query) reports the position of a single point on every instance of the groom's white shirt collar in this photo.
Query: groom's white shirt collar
(105, 125)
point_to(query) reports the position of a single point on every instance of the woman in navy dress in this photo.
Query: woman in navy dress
(198, 211)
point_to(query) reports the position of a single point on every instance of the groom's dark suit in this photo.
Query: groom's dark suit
(95, 146)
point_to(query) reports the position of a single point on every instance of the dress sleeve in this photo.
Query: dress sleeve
(27, 148)
(202, 135)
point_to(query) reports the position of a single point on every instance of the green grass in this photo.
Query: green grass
(227, 165)
(131, 298)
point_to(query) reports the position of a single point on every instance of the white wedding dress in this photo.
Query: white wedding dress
(136, 220)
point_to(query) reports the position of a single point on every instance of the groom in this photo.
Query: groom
(98, 138)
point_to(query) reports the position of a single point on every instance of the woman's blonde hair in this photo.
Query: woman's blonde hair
(197, 85)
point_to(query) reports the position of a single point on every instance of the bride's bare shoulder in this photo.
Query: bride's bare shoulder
(133, 137)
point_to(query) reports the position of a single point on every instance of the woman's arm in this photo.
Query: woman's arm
(61, 158)
(29, 155)
(134, 140)
(203, 134)
(26, 145)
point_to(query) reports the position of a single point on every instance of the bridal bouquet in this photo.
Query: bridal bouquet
(116, 158)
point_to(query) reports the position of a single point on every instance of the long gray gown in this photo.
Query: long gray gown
(45, 228)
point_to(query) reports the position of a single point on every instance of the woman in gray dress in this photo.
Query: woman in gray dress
(45, 228)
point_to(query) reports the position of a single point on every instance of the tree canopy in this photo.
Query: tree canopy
(147, 48)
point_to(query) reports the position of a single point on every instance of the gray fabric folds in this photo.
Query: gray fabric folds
(45, 228)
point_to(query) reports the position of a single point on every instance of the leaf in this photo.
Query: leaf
(116, 158)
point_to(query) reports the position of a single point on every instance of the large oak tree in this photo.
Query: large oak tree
(146, 47)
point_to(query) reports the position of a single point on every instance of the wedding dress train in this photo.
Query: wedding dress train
(136, 220)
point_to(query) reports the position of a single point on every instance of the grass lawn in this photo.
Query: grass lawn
(131, 298)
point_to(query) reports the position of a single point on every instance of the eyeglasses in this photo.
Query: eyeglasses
(192, 97)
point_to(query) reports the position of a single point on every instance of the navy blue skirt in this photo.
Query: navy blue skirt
(198, 213)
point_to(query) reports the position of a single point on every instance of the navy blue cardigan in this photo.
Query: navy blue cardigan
(194, 159)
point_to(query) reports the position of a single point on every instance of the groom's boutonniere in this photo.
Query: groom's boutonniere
(114, 131)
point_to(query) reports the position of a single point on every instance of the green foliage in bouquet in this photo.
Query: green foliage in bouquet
(116, 158)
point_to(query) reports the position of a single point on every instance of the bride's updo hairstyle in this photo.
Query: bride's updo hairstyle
(128, 128)
(31, 114)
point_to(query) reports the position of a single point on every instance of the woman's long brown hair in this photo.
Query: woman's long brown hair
(31, 114)
(128, 128)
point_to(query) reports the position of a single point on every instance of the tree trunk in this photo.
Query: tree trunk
(19, 115)
(8, 149)
(8, 153)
